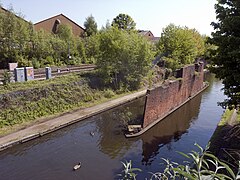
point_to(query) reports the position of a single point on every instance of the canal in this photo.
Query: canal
(99, 142)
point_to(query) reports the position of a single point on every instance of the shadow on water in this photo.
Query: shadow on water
(100, 145)
(111, 128)
(98, 142)
(170, 128)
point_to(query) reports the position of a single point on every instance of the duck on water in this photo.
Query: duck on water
(77, 166)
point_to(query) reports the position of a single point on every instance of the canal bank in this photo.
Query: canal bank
(53, 156)
(67, 119)
(160, 102)
(225, 141)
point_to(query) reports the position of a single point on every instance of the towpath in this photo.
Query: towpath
(56, 123)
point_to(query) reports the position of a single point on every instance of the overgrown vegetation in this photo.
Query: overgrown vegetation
(199, 165)
(124, 59)
(24, 102)
(179, 46)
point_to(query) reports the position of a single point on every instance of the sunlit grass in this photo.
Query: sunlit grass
(73, 77)
(24, 104)
(226, 117)
(238, 116)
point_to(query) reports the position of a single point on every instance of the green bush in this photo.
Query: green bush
(36, 64)
(22, 62)
(49, 61)
(108, 93)
(6, 77)
(125, 58)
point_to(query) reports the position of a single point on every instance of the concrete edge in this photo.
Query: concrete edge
(233, 119)
(206, 85)
(55, 128)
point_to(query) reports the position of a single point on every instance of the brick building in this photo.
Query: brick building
(50, 25)
(149, 35)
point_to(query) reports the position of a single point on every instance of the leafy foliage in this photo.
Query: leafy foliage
(14, 37)
(128, 172)
(65, 32)
(180, 46)
(90, 26)
(227, 38)
(6, 77)
(19, 42)
(124, 21)
(204, 166)
(124, 58)
(92, 48)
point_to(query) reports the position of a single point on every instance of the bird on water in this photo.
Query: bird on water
(92, 133)
(77, 166)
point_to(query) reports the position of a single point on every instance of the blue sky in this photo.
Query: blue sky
(149, 15)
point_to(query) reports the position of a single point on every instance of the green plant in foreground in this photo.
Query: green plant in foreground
(128, 172)
(203, 166)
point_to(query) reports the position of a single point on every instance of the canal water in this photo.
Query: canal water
(99, 143)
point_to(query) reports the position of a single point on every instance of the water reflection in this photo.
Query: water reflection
(53, 156)
(170, 129)
(111, 129)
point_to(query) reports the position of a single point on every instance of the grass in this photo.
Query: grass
(226, 117)
(238, 116)
(18, 86)
(23, 104)
(13, 128)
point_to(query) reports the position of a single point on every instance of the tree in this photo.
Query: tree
(124, 58)
(81, 52)
(180, 46)
(14, 37)
(92, 47)
(90, 26)
(19, 42)
(124, 21)
(227, 38)
(210, 51)
(65, 32)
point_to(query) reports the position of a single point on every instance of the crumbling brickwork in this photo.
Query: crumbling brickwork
(161, 100)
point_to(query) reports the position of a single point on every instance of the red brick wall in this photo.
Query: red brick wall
(161, 100)
(48, 25)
